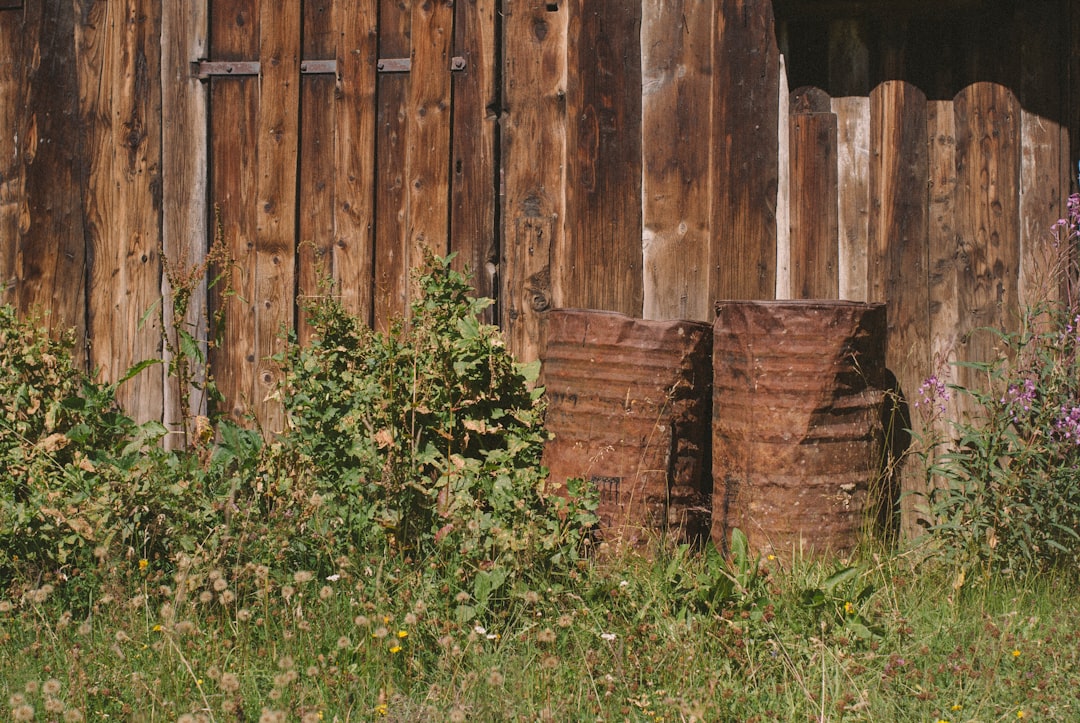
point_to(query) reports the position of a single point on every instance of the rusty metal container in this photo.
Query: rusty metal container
(798, 388)
(629, 406)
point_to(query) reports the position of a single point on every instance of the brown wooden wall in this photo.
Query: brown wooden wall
(645, 156)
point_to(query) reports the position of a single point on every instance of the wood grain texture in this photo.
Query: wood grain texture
(275, 211)
(185, 219)
(118, 64)
(746, 99)
(533, 153)
(600, 259)
(11, 176)
(234, 117)
(676, 62)
(354, 153)
(783, 189)
(814, 204)
(315, 199)
(50, 261)
(427, 145)
(853, 180)
(474, 172)
(391, 261)
(898, 243)
(987, 219)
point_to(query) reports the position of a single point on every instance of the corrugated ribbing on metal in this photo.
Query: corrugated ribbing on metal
(628, 403)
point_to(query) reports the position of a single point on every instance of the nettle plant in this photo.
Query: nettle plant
(427, 439)
(1012, 498)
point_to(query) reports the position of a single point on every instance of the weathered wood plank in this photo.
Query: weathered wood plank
(600, 259)
(676, 62)
(474, 172)
(390, 258)
(234, 108)
(315, 192)
(11, 177)
(1044, 170)
(275, 212)
(987, 219)
(354, 149)
(898, 272)
(853, 176)
(943, 246)
(118, 61)
(427, 145)
(50, 263)
(184, 157)
(745, 151)
(533, 153)
(783, 189)
(814, 204)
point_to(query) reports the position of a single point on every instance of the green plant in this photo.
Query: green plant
(1011, 499)
(427, 439)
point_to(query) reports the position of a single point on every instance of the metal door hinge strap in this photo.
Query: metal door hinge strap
(204, 69)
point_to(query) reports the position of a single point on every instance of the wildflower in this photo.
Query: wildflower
(495, 679)
(286, 662)
(311, 717)
(547, 635)
(410, 619)
(73, 715)
(564, 621)
(6, 607)
(1016, 653)
(16, 700)
(1020, 714)
(550, 662)
(243, 615)
(227, 597)
(395, 649)
(402, 634)
(480, 630)
(229, 683)
(343, 642)
(51, 687)
(206, 597)
(143, 564)
(32, 687)
(287, 591)
(302, 576)
(326, 592)
(380, 632)
(381, 709)
(54, 705)
(532, 597)
(220, 584)
(608, 636)
(361, 621)
(849, 608)
(333, 578)
(23, 713)
(457, 715)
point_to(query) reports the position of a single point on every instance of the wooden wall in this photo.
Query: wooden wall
(647, 157)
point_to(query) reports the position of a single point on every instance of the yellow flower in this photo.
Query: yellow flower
(1016, 653)
(1019, 714)
(156, 628)
(143, 564)
(395, 649)
(402, 634)
(957, 706)
(770, 557)
(849, 608)
(381, 709)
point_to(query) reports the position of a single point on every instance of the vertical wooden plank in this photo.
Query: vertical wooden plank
(12, 59)
(533, 153)
(234, 111)
(987, 214)
(427, 145)
(745, 151)
(474, 172)
(183, 181)
(391, 260)
(50, 261)
(315, 189)
(118, 56)
(1044, 174)
(814, 260)
(1073, 75)
(943, 246)
(354, 151)
(676, 62)
(898, 243)
(853, 176)
(275, 212)
(783, 190)
(599, 263)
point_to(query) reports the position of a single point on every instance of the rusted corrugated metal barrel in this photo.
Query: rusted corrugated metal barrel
(629, 406)
(798, 388)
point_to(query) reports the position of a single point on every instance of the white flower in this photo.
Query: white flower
(608, 636)
(333, 578)
(479, 630)
(623, 583)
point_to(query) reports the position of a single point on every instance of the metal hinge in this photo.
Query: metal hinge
(205, 69)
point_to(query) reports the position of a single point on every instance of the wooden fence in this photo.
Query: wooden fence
(643, 156)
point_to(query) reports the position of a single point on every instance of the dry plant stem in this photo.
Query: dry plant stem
(194, 678)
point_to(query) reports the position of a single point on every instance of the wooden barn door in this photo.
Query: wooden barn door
(347, 138)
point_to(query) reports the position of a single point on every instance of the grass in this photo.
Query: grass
(624, 641)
